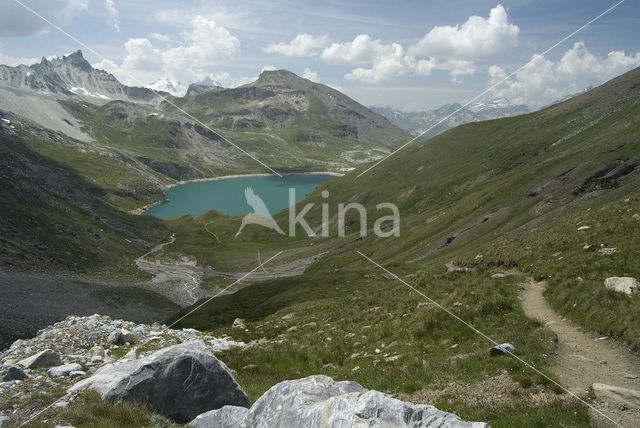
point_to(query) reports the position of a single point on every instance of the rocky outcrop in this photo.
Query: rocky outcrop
(624, 284)
(180, 382)
(319, 401)
(227, 416)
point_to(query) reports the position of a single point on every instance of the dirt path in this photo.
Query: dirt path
(583, 359)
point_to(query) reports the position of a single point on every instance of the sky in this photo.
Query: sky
(411, 55)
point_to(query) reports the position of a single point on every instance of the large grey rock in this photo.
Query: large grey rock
(616, 395)
(226, 417)
(319, 401)
(180, 382)
(46, 358)
(63, 370)
(502, 349)
(623, 284)
(14, 373)
(4, 420)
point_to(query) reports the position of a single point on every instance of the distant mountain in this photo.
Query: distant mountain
(418, 122)
(313, 114)
(33, 91)
(204, 85)
(169, 84)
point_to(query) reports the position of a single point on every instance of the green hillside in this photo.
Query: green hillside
(491, 195)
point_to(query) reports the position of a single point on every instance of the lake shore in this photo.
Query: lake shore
(224, 177)
(144, 209)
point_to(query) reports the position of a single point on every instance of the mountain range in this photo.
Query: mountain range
(169, 85)
(449, 115)
(492, 213)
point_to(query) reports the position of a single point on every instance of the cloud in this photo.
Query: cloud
(206, 44)
(311, 75)
(162, 37)
(112, 14)
(268, 68)
(380, 61)
(478, 37)
(542, 81)
(457, 69)
(203, 45)
(301, 45)
(225, 80)
(14, 61)
(16, 21)
(363, 49)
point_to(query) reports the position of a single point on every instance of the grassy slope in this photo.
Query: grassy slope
(55, 219)
(482, 188)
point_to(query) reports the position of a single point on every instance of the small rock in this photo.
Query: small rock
(93, 336)
(502, 349)
(607, 251)
(391, 345)
(498, 275)
(138, 331)
(9, 384)
(114, 337)
(46, 358)
(239, 323)
(328, 366)
(77, 373)
(584, 228)
(4, 420)
(131, 355)
(63, 370)
(250, 367)
(390, 276)
(60, 404)
(96, 354)
(422, 304)
(15, 373)
(631, 376)
(289, 316)
(627, 285)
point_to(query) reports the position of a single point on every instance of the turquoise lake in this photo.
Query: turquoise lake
(228, 195)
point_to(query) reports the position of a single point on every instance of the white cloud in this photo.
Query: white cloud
(141, 56)
(159, 36)
(204, 45)
(477, 37)
(301, 45)
(362, 50)
(14, 61)
(112, 13)
(542, 81)
(311, 75)
(384, 61)
(268, 68)
(457, 69)
(16, 21)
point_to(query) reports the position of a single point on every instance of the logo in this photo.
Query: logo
(383, 227)
(260, 214)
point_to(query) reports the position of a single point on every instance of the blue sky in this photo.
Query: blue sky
(410, 55)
